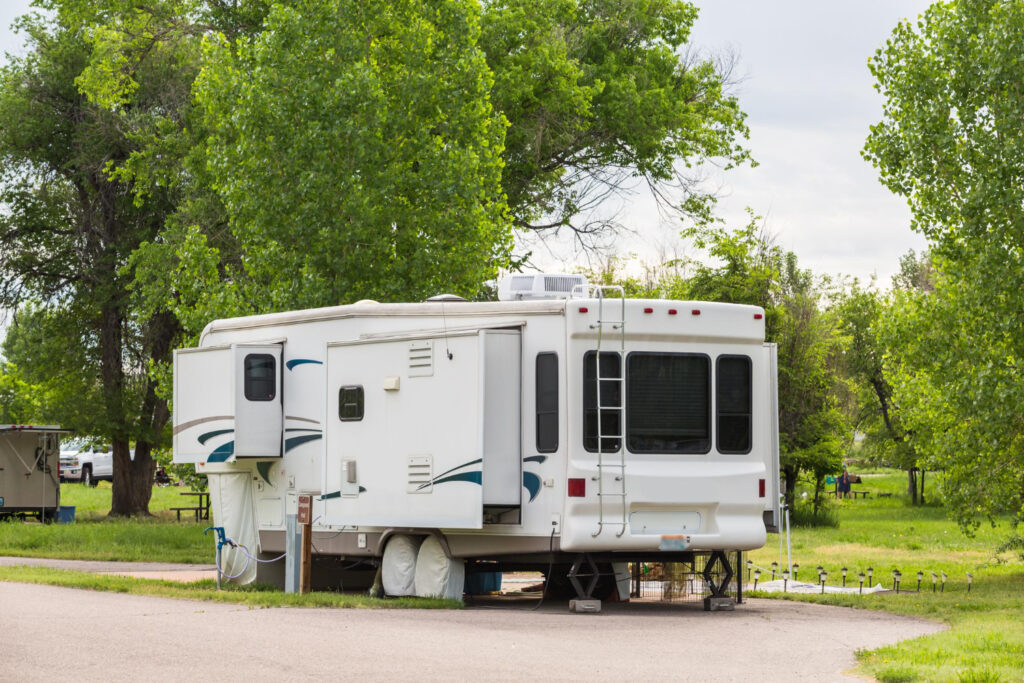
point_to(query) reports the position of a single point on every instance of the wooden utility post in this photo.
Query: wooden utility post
(305, 519)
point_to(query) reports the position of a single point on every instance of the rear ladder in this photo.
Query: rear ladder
(619, 468)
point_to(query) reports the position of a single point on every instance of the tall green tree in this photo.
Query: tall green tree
(601, 96)
(860, 313)
(67, 230)
(949, 142)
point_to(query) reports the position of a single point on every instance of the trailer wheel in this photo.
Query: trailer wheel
(87, 476)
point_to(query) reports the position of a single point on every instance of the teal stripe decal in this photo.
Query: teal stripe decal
(222, 452)
(299, 440)
(532, 483)
(203, 438)
(301, 361)
(264, 469)
(536, 458)
(472, 477)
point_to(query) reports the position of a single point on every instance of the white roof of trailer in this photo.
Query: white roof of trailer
(450, 310)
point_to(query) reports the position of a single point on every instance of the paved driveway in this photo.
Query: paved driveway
(115, 637)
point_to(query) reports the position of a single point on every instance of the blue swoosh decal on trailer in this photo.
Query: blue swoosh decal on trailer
(222, 452)
(536, 458)
(301, 361)
(203, 438)
(264, 469)
(299, 440)
(532, 483)
(472, 477)
(337, 494)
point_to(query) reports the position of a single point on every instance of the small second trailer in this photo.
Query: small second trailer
(562, 429)
(30, 471)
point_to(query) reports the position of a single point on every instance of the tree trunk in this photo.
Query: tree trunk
(912, 484)
(133, 480)
(922, 486)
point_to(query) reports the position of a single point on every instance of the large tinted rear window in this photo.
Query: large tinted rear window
(669, 403)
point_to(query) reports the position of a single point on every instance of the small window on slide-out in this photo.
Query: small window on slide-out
(260, 377)
(734, 404)
(350, 403)
(547, 402)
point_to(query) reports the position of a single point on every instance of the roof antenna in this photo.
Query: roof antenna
(444, 321)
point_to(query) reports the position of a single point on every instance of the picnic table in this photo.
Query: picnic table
(201, 509)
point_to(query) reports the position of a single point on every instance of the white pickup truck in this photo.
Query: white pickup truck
(88, 465)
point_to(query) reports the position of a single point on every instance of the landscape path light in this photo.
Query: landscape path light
(970, 580)
(796, 570)
(920, 575)
(935, 579)
(757, 577)
(896, 576)
(861, 577)
(775, 568)
(943, 589)
(750, 564)
(871, 580)
(843, 570)
(823, 576)
(785, 580)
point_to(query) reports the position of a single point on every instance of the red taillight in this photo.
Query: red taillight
(760, 488)
(648, 310)
(577, 488)
(695, 311)
(671, 311)
(583, 309)
(758, 316)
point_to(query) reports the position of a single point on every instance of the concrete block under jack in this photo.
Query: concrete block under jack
(719, 604)
(585, 606)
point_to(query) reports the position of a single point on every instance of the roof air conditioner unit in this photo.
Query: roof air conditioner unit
(520, 287)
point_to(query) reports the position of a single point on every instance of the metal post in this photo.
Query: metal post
(293, 546)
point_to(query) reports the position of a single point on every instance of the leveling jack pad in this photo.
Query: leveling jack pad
(580, 606)
(712, 604)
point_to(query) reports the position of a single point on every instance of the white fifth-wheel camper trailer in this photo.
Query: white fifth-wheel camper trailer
(561, 426)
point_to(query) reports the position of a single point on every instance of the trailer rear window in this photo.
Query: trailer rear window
(733, 401)
(547, 402)
(609, 411)
(350, 403)
(260, 377)
(669, 397)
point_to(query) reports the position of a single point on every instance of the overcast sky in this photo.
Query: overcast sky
(809, 100)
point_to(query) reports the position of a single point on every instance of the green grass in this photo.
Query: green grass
(253, 595)
(985, 641)
(94, 537)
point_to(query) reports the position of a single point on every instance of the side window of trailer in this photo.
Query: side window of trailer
(604, 415)
(547, 402)
(669, 403)
(350, 403)
(260, 377)
(734, 404)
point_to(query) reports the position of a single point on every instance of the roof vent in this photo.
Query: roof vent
(539, 286)
(443, 298)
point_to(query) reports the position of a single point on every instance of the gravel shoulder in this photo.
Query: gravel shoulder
(168, 640)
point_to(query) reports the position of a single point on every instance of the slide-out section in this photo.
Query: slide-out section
(227, 403)
(423, 431)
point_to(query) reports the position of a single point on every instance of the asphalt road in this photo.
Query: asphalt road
(66, 634)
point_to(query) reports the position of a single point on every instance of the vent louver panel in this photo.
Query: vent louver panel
(421, 358)
(420, 469)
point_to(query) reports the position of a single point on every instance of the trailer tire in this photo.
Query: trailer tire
(87, 476)
(398, 565)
